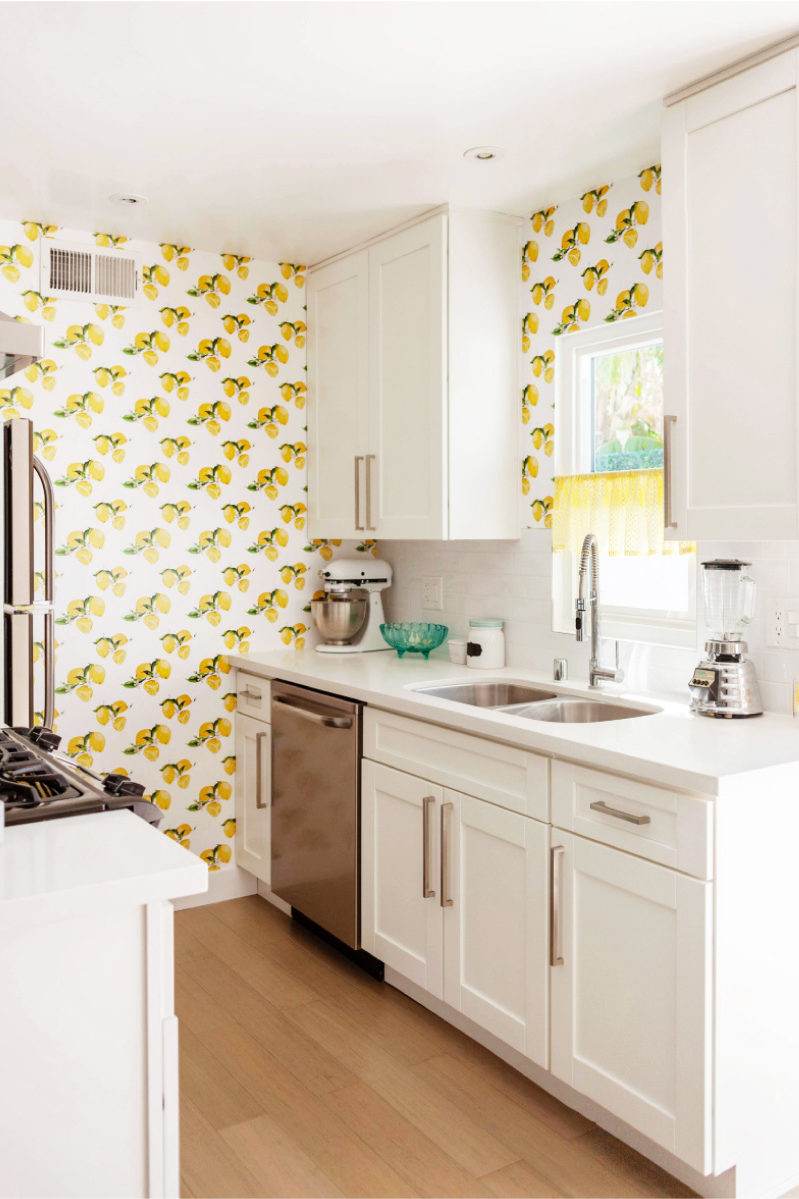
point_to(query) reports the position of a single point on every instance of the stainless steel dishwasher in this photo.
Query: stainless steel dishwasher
(316, 766)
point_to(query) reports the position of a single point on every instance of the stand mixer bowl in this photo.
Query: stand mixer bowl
(339, 618)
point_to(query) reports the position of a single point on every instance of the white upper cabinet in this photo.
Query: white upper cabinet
(338, 363)
(413, 384)
(406, 470)
(730, 233)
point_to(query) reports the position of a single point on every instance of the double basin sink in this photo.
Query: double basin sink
(534, 703)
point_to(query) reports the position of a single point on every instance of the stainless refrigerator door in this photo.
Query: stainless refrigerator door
(18, 638)
(19, 467)
(316, 752)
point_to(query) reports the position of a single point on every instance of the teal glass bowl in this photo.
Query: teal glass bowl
(413, 637)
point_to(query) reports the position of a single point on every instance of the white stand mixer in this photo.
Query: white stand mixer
(350, 622)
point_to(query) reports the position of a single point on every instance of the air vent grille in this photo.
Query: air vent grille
(77, 272)
(70, 272)
(115, 276)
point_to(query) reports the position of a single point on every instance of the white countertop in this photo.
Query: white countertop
(673, 747)
(58, 867)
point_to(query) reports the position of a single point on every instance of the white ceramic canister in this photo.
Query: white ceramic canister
(485, 649)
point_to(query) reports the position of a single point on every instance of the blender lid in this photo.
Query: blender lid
(724, 564)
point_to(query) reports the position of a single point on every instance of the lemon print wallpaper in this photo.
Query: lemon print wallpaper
(594, 260)
(174, 432)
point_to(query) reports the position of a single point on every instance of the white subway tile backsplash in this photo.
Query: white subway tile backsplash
(513, 580)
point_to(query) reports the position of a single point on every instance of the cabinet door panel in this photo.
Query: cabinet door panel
(253, 809)
(496, 932)
(399, 925)
(729, 182)
(338, 366)
(408, 378)
(630, 1003)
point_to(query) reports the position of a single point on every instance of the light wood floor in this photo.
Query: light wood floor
(301, 1076)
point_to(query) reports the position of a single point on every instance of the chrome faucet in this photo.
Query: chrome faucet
(596, 673)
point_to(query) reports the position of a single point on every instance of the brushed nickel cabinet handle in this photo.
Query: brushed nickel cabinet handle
(630, 817)
(555, 914)
(358, 460)
(260, 801)
(316, 715)
(369, 460)
(250, 694)
(446, 899)
(668, 424)
(49, 592)
(427, 803)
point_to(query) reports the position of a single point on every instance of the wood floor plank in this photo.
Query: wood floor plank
(520, 1181)
(305, 1058)
(344, 1157)
(255, 919)
(550, 1156)
(627, 1163)
(195, 1009)
(277, 1161)
(561, 1119)
(210, 1086)
(300, 1075)
(208, 1164)
(470, 1144)
(276, 985)
(422, 1162)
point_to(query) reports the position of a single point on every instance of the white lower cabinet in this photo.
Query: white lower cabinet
(495, 932)
(454, 898)
(631, 996)
(253, 788)
(400, 922)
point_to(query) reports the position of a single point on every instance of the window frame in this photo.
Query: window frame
(574, 455)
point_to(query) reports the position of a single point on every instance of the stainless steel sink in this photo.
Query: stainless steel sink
(565, 710)
(488, 694)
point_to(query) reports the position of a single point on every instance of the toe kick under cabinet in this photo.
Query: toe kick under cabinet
(621, 937)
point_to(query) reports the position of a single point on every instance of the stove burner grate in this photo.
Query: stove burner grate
(26, 779)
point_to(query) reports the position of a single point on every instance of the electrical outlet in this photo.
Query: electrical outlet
(782, 627)
(433, 594)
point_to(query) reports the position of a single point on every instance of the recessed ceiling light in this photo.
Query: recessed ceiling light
(129, 198)
(483, 153)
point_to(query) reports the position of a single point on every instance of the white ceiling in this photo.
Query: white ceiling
(292, 130)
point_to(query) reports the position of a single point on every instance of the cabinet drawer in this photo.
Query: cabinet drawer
(502, 774)
(664, 826)
(253, 696)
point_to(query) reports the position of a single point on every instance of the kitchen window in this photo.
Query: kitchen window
(609, 447)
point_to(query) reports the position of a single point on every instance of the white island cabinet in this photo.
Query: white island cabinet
(88, 1036)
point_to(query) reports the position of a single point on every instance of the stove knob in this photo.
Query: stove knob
(120, 784)
(45, 738)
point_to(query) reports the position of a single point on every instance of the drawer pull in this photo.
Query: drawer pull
(427, 803)
(248, 693)
(630, 817)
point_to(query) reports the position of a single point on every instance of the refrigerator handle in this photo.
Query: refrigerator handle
(49, 592)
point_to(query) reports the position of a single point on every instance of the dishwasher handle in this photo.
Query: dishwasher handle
(317, 715)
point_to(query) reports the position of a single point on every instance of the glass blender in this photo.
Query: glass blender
(724, 682)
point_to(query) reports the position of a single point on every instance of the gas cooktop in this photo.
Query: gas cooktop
(38, 783)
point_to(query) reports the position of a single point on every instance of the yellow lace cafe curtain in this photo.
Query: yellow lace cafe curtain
(623, 509)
